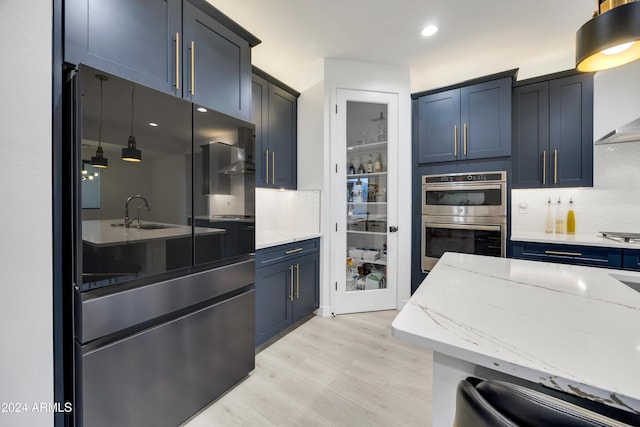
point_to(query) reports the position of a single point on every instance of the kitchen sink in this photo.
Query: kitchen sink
(153, 226)
(146, 226)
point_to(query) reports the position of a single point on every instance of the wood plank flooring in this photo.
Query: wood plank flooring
(343, 371)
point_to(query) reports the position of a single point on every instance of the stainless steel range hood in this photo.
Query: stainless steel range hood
(627, 133)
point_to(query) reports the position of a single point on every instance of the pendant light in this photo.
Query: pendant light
(131, 153)
(99, 160)
(611, 38)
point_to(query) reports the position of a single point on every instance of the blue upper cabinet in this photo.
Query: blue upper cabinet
(438, 119)
(131, 39)
(217, 72)
(185, 48)
(465, 123)
(553, 132)
(485, 111)
(275, 114)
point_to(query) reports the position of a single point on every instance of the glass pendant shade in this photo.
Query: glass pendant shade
(610, 39)
(131, 153)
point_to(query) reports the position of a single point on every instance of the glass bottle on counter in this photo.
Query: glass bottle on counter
(559, 219)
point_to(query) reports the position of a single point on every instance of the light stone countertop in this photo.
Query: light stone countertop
(573, 239)
(568, 327)
(102, 233)
(269, 238)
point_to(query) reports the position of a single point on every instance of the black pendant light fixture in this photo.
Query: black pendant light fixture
(131, 153)
(611, 38)
(99, 160)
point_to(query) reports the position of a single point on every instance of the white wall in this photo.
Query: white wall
(26, 355)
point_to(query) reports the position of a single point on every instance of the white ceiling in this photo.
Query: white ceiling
(475, 38)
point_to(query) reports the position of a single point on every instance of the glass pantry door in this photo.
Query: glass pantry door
(364, 245)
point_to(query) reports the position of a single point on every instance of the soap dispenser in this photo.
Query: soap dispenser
(548, 227)
(571, 219)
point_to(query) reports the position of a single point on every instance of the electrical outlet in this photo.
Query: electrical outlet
(522, 208)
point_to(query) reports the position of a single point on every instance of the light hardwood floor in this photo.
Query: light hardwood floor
(343, 371)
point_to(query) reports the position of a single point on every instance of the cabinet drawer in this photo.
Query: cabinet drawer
(268, 256)
(569, 254)
(631, 259)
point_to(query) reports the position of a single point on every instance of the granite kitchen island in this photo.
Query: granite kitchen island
(570, 328)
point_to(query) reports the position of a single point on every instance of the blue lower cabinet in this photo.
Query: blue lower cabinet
(287, 290)
(569, 254)
(631, 259)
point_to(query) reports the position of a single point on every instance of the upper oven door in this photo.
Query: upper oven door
(464, 199)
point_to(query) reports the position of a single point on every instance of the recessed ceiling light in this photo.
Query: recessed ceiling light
(152, 124)
(202, 109)
(429, 30)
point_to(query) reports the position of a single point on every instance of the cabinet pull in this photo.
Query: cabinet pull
(293, 251)
(177, 85)
(555, 166)
(297, 281)
(192, 87)
(291, 282)
(465, 139)
(273, 167)
(544, 167)
(455, 140)
(575, 254)
(266, 162)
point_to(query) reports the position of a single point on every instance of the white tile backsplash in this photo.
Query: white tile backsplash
(290, 211)
(613, 204)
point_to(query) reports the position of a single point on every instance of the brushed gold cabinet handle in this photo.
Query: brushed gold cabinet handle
(266, 162)
(465, 139)
(455, 140)
(291, 288)
(575, 254)
(192, 88)
(555, 166)
(177, 85)
(297, 281)
(544, 167)
(273, 167)
(293, 251)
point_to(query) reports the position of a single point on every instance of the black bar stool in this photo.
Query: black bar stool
(489, 403)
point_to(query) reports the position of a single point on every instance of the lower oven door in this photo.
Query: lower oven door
(480, 236)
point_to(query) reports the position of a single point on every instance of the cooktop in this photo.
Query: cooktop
(621, 236)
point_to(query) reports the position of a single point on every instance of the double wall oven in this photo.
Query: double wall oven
(465, 213)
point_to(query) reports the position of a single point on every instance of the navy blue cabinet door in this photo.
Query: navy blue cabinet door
(275, 114)
(260, 117)
(531, 157)
(306, 289)
(438, 124)
(283, 137)
(571, 131)
(485, 112)
(132, 39)
(553, 133)
(631, 259)
(273, 300)
(216, 69)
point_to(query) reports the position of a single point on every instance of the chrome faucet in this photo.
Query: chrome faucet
(127, 221)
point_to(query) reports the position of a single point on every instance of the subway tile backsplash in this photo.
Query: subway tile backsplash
(290, 211)
(613, 204)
